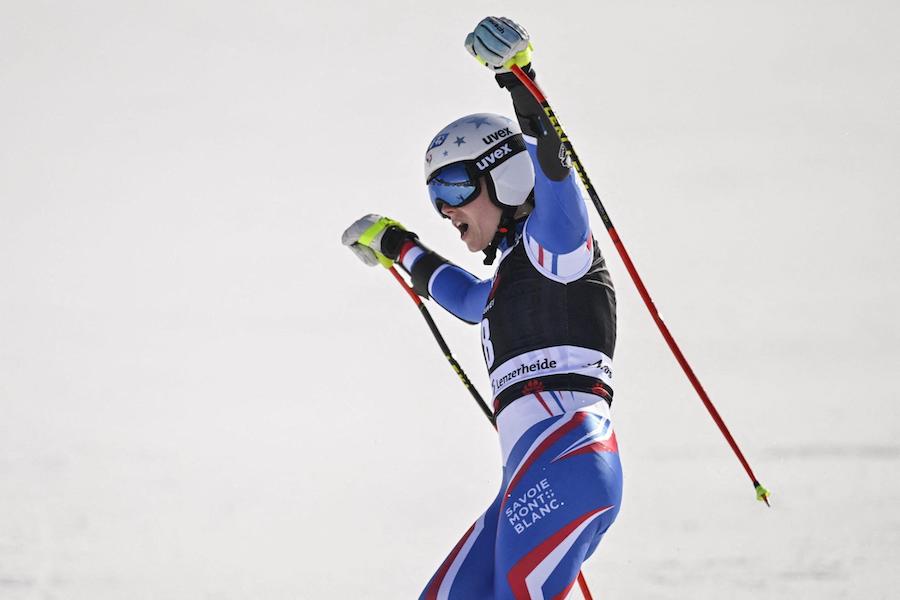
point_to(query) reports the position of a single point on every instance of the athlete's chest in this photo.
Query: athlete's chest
(523, 309)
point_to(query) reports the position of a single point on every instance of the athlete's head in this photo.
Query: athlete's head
(479, 162)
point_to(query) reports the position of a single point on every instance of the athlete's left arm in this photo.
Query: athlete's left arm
(455, 289)
(559, 221)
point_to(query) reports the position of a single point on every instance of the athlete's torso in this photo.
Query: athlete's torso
(549, 322)
(548, 317)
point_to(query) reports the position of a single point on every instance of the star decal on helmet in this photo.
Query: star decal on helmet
(460, 141)
(477, 121)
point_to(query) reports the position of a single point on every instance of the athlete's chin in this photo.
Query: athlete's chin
(475, 245)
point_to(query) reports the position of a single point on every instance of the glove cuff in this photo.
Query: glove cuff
(509, 80)
(393, 239)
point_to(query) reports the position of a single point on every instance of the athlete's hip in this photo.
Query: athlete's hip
(554, 415)
(562, 466)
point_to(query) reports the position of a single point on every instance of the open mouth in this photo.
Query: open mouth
(463, 228)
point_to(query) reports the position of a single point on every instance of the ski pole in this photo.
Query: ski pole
(444, 348)
(761, 492)
(582, 583)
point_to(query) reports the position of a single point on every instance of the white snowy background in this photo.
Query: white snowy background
(203, 395)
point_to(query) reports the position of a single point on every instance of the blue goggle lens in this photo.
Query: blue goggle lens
(452, 185)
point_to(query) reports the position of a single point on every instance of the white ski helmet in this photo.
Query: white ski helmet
(482, 144)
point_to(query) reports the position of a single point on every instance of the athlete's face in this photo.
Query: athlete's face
(476, 221)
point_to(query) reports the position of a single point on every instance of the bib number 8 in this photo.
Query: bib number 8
(486, 344)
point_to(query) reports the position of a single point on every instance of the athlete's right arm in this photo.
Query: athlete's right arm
(559, 222)
(376, 239)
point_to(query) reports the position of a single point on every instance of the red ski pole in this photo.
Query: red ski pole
(761, 492)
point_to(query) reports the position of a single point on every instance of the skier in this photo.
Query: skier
(548, 332)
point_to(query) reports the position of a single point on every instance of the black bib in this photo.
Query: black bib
(540, 334)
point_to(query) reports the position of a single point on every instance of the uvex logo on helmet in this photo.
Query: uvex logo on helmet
(493, 157)
(497, 135)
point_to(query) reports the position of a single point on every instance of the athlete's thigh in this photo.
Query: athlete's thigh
(468, 571)
(563, 493)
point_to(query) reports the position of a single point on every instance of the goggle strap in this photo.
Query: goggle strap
(498, 154)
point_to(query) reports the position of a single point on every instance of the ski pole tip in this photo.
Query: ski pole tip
(762, 494)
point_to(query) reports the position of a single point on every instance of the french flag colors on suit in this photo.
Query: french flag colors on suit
(600, 438)
(528, 576)
(439, 587)
(561, 491)
(563, 267)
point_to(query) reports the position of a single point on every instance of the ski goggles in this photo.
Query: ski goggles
(454, 185)
(458, 183)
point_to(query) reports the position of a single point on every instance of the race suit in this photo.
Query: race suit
(548, 331)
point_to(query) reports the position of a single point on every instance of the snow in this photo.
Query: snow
(203, 395)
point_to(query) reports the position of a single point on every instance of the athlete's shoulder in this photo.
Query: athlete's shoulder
(563, 267)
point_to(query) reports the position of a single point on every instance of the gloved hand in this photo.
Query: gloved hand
(376, 239)
(499, 43)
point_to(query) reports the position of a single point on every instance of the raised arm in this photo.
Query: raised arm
(559, 221)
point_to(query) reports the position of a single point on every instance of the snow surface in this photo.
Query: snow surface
(203, 395)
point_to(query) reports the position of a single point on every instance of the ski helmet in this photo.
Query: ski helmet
(462, 152)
